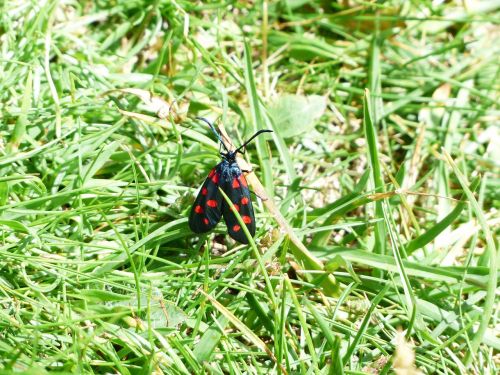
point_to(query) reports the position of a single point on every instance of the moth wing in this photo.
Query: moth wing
(238, 192)
(207, 207)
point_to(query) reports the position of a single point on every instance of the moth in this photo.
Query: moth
(210, 205)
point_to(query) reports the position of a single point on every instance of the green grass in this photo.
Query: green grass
(381, 180)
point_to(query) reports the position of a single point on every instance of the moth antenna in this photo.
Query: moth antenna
(213, 130)
(251, 139)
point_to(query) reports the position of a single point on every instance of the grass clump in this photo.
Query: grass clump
(376, 250)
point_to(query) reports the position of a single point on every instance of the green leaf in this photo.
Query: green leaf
(209, 341)
(373, 155)
(296, 114)
(437, 229)
(166, 314)
(336, 262)
(15, 225)
(101, 295)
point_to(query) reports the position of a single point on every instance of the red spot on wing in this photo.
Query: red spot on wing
(204, 191)
(212, 203)
(215, 178)
(236, 207)
(212, 172)
(246, 219)
(236, 184)
(198, 209)
(236, 228)
(244, 200)
(205, 220)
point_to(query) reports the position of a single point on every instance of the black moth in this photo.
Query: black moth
(210, 205)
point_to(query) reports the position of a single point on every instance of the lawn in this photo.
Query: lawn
(375, 197)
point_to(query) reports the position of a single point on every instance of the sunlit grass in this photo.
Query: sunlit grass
(378, 241)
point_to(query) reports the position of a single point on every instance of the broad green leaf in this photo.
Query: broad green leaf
(294, 115)
(101, 295)
(205, 347)
(15, 225)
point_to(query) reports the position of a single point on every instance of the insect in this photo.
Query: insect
(210, 205)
